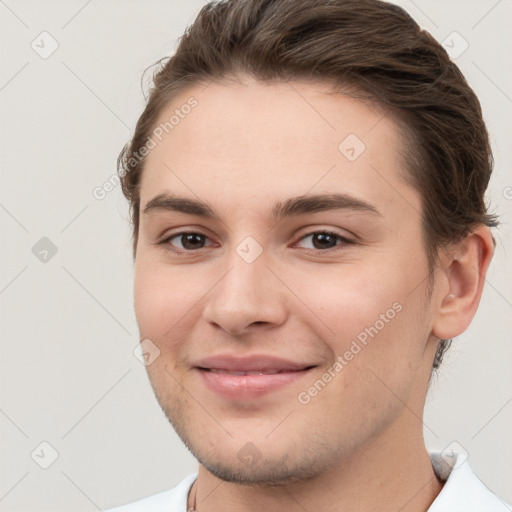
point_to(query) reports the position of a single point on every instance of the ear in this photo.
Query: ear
(464, 269)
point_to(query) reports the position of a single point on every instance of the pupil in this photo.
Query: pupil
(189, 241)
(322, 238)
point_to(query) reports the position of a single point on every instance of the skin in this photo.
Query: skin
(358, 443)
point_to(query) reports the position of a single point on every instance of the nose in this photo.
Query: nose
(248, 296)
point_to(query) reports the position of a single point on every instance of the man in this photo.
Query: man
(307, 193)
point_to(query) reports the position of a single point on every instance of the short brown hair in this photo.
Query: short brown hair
(370, 45)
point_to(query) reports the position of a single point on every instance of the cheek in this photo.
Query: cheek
(165, 298)
(370, 316)
(347, 299)
(376, 353)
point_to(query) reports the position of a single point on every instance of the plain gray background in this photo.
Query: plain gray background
(68, 373)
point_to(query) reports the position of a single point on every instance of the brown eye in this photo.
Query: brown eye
(186, 241)
(324, 240)
(192, 241)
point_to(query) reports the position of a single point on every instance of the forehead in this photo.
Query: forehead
(262, 139)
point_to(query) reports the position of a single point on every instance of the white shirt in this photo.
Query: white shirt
(463, 491)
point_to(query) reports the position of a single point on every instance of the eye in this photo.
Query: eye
(325, 240)
(187, 241)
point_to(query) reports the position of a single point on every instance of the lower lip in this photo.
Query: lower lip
(248, 387)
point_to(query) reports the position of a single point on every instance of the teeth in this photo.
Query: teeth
(257, 372)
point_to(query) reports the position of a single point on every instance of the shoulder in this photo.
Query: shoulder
(462, 491)
(172, 500)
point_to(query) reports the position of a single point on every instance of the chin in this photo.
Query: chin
(264, 473)
(270, 467)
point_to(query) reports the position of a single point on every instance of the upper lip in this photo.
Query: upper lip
(252, 363)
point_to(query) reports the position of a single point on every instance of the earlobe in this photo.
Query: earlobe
(465, 270)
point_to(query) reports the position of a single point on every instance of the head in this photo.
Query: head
(269, 100)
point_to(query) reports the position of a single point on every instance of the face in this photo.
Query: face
(294, 330)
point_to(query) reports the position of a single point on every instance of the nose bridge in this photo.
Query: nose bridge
(248, 292)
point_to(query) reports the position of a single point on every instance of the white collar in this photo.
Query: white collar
(462, 491)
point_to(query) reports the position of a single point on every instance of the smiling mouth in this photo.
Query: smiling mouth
(251, 385)
(253, 372)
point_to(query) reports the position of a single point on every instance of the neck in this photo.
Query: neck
(391, 473)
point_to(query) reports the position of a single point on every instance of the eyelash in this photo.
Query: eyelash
(344, 241)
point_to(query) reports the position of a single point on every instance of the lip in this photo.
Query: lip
(250, 377)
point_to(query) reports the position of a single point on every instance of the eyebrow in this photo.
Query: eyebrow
(294, 206)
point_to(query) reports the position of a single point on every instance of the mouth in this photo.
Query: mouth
(247, 372)
(249, 378)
